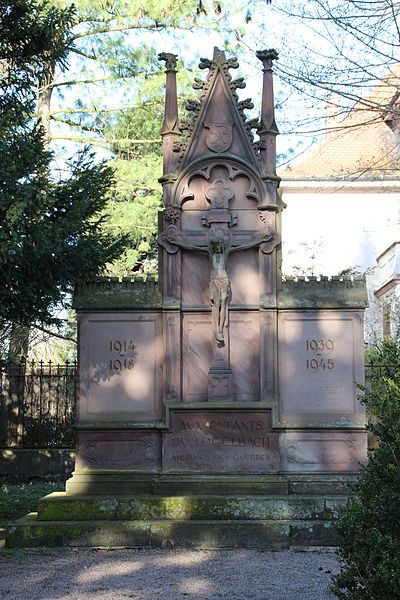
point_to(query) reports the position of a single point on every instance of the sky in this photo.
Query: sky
(264, 30)
(300, 116)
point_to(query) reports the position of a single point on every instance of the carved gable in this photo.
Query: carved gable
(219, 124)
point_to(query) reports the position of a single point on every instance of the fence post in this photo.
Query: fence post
(15, 403)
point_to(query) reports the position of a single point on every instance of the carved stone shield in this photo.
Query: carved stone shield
(218, 136)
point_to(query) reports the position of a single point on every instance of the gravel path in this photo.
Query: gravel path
(165, 575)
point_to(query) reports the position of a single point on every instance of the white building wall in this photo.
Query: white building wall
(329, 227)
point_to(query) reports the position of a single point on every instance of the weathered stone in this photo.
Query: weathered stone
(113, 294)
(325, 293)
(120, 367)
(320, 355)
(29, 532)
(60, 506)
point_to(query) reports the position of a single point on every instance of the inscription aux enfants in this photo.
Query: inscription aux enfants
(231, 433)
(221, 443)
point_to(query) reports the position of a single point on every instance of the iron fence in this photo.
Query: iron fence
(37, 404)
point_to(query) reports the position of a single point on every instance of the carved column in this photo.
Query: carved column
(268, 129)
(170, 129)
(170, 266)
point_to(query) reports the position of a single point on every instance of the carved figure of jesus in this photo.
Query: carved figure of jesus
(219, 290)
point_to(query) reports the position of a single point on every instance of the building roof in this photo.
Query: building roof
(366, 143)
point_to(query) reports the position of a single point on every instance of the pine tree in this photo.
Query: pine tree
(51, 233)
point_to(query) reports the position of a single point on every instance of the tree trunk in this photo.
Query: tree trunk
(46, 84)
(15, 379)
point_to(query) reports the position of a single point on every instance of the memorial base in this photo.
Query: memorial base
(278, 512)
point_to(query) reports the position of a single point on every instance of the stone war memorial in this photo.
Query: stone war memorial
(218, 407)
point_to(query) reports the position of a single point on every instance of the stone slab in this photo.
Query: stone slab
(320, 359)
(28, 532)
(95, 482)
(220, 442)
(331, 485)
(121, 357)
(108, 293)
(119, 449)
(326, 293)
(323, 451)
(60, 506)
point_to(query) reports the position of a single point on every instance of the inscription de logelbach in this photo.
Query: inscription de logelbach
(233, 438)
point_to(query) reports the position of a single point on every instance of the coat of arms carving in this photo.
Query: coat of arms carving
(219, 136)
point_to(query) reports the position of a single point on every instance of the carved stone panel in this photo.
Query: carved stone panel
(268, 356)
(172, 371)
(323, 451)
(195, 279)
(244, 334)
(197, 353)
(221, 130)
(135, 450)
(320, 361)
(243, 270)
(243, 189)
(220, 442)
(120, 367)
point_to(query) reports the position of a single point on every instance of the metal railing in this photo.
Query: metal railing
(37, 404)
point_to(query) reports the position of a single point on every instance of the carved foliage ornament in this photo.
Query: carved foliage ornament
(170, 60)
(172, 215)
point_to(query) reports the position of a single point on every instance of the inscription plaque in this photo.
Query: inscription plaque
(120, 365)
(220, 442)
(319, 364)
(326, 451)
(119, 450)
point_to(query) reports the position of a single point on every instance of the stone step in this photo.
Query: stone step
(96, 482)
(266, 534)
(59, 506)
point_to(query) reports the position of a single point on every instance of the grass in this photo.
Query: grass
(18, 499)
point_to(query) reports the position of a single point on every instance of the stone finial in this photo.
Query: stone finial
(267, 55)
(220, 59)
(169, 59)
(219, 55)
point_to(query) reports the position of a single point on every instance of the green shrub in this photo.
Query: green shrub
(369, 528)
(18, 499)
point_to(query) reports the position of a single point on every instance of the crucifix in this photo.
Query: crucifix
(218, 247)
(218, 243)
